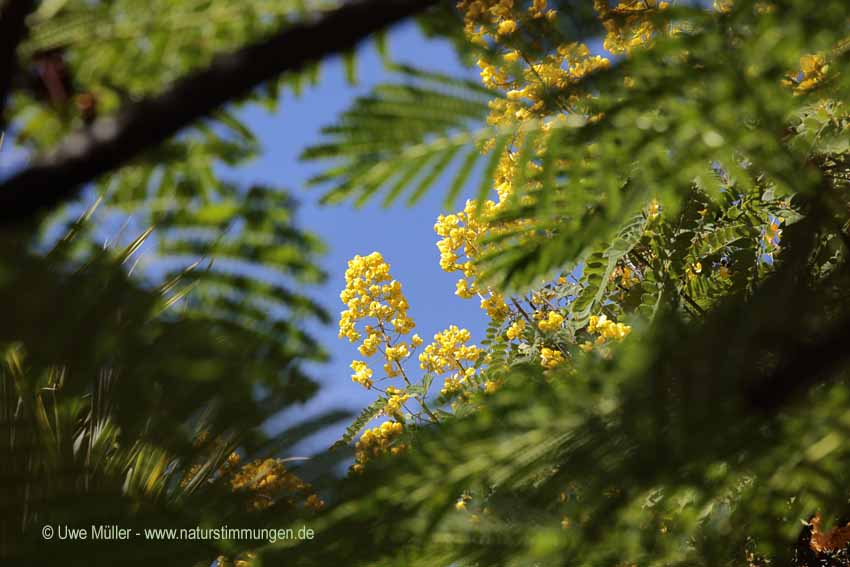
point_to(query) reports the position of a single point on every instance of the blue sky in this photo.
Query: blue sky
(404, 235)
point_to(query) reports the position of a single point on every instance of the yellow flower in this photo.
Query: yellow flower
(693, 270)
(450, 386)
(537, 8)
(814, 69)
(377, 441)
(654, 209)
(395, 403)
(448, 351)
(461, 502)
(511, 56)
(552, 322)
(607, 329)
(391, 370)
(495, 306)
(314, 502)
(550, 358)
(266, 481)
(516, 329)
(370, 344)
(371, 293)
(506, 27)
(362, 373)
(398, 352)
(464, 289)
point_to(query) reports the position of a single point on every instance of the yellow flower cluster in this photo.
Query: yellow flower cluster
(460, 233)
(377, 441)
(627, 277)
(495, 306)
(813, 70)
(606, 330)
(450, 386)
(460, 505)
(630, 24)
(395, 402)
(693, 270)
(448, 352)
(455, 382)
(527, 91)
(267, 481)
(529, 83)
(653, 209)
(461, 244)
(371, 293)
(459, 247)
(551, 323)
(551, 357)
(362, 373)
(498, 18)
(516, 329)
(506, 27)
(313, 502)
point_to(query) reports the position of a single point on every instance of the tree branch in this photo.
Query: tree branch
(113, 141)
(13, 29)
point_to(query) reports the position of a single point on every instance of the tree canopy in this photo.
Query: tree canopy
(656, 228)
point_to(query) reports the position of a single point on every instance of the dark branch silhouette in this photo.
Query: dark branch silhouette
(112, 141)
(13, 29)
